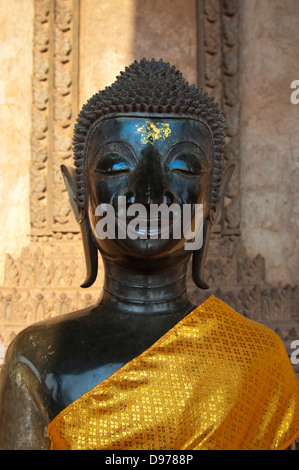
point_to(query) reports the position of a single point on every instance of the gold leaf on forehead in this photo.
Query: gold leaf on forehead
(154, 131)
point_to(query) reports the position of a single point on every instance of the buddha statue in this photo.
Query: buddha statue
(144, 368)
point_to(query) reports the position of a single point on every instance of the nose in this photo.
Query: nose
(149, 184)
(167, 198)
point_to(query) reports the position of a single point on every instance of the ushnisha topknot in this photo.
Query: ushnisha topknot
(151, 87)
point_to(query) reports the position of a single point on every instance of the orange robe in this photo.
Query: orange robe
(215, 381)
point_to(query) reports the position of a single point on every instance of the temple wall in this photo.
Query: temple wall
(106, 48)
(269, 41)
(124, 31)
(16, 33)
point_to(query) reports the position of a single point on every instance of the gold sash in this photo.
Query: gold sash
(214, 381)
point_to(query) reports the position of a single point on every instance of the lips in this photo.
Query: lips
(140, 227)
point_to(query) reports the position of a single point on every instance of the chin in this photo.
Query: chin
(143, 251)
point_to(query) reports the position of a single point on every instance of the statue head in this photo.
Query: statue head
(148, 139)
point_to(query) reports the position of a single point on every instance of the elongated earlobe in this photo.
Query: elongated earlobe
(90, 252)
(199, 256)
(90, 249)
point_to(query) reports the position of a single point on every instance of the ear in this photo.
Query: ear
(90, 249)
(69, 176)
(199, 256)
(215, 211)
(90, 252)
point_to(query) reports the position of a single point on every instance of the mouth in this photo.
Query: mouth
(145, 228)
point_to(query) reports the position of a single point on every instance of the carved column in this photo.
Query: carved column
(55, 106)
(218, 74)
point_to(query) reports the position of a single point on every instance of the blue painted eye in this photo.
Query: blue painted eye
(179, 165)
(188, 164)
(113, 164)
(120, 166)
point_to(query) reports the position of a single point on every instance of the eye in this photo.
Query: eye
(112, 164)
(187, 164)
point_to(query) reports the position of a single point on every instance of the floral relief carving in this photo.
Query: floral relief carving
(54, 94)
(221, 64)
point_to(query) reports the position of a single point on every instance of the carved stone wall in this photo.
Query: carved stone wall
(270, 135)
(44, 280)
(42, 283)
(220, 62)
(55, 106)
(16, 33)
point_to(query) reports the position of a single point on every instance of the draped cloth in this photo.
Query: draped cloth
(215, 381)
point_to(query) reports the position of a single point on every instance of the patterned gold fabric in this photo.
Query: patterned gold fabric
(215, 381)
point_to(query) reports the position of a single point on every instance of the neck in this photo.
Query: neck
(161, 292)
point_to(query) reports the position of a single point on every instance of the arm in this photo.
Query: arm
(23, 415)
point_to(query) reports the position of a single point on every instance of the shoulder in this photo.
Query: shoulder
(35, 346)
(249, 339)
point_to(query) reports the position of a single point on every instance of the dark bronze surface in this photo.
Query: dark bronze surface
(52, 363)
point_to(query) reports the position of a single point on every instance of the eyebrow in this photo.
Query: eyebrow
(108, 141)
(189, 142)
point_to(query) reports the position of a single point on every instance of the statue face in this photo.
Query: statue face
(147, 161)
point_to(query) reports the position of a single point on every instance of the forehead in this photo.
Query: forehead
(159, 132)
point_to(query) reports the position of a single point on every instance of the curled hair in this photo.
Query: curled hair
(150, 87)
